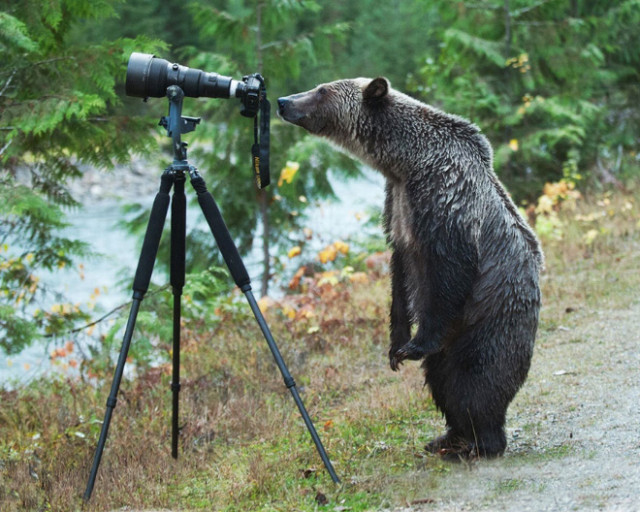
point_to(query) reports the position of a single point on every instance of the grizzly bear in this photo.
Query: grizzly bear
(464, 263)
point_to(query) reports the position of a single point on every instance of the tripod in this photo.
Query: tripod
(175, 176)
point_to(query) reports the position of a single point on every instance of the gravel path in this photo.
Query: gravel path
(574, 428)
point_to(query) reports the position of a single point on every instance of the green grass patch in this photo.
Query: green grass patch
(243, 444)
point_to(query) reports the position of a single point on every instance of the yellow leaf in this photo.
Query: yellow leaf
(328, 254)
(341, 247)
(358, 277)
(330, 278)
(545, 204)
(289, 312)
(288, 172)
(265, 302)
(294, 251)
(306, 313)
(590, 236)
(513, 144)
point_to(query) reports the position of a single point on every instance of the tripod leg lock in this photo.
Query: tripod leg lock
(111, 402)
(289, 382)
(175, 386)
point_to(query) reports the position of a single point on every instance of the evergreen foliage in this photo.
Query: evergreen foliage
(59, 110)
(553, 84)
(279, 40)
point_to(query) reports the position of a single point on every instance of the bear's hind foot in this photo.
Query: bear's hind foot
(456, 449)
(445, 442)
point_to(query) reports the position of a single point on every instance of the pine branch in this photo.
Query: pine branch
(5, 147)
(103, 317)
(8, 82)
(525, 10)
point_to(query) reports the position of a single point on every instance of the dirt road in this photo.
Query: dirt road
(574, 429)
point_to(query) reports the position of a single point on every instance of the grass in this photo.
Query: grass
(243, 443)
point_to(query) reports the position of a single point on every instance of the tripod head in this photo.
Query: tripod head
(176, 125)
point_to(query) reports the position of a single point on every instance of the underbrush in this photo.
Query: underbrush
(243, 445)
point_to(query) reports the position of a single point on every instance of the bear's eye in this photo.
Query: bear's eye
(322, 91)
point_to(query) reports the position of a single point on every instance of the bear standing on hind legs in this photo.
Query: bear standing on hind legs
(464, 263)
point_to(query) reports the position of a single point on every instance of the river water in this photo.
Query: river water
(111, 274)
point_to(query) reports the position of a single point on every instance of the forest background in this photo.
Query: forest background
(553, 84)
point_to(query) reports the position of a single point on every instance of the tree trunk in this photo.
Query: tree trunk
(263, 196)
(507, 51)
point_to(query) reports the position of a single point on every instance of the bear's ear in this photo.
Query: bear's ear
(376, 90)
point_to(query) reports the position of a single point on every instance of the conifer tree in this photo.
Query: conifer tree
(280, 40)
(58, 110)
(553, 84)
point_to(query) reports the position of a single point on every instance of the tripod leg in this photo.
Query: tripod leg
(140, 287)
(241, 277)
(290, 383)
(178, 236)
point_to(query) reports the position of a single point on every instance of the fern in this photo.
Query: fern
(52, 90)
(13, 33)
(489, 50)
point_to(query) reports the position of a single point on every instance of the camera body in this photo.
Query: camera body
(149, 77)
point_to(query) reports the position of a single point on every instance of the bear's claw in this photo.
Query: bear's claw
(408, 351)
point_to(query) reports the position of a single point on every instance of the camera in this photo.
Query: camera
(149, 76)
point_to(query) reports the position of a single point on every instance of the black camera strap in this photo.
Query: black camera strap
(260, 148)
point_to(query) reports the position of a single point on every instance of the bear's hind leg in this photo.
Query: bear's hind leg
(473, 392)
(469, 442)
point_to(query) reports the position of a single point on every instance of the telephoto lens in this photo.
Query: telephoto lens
(149, 76)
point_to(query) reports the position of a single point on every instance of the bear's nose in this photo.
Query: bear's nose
(282, 103)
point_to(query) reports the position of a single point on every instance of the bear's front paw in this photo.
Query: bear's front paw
(394, 362)
(408, 351)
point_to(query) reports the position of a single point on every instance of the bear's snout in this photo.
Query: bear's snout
(282, 105)
(287, 108)
(301, 109)
(282, 102)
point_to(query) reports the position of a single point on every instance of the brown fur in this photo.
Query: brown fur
(464, 262)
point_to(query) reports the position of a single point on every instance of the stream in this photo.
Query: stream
(106, 280)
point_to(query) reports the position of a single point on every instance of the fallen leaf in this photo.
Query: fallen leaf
(294, 251)
(423, 501)
(321, 499)
(309, 472)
